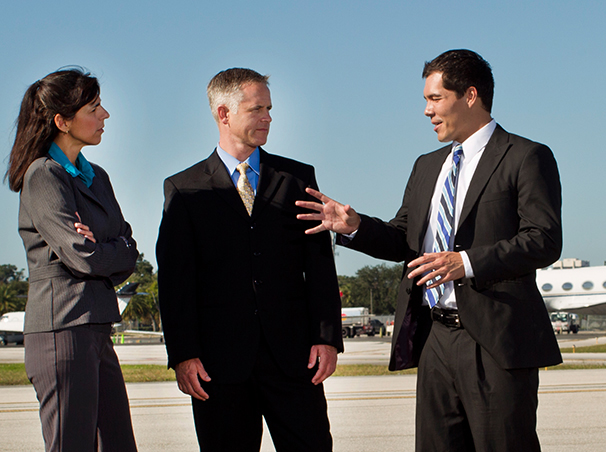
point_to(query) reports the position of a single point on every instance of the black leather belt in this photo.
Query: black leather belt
(448, 317)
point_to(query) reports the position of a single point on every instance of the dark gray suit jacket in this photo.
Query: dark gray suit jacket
(510, 226)
(226, 278)
(71, 278)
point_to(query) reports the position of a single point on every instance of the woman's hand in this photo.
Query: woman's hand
(84, 230)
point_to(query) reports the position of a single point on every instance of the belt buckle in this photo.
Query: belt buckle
(451, 320)
(455, 322)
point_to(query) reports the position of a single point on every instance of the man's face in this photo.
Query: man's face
(250, 125)
(448, 114)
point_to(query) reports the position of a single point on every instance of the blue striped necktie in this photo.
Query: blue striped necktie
(445, 224)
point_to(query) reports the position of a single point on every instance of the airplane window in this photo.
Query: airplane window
(567, 286)
(587, 285)
(604, 285)
(547, 287)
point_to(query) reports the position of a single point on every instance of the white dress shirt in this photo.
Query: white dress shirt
(473, 148)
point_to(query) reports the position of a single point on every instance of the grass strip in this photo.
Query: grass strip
(363, 370)
(575, 367)
(14, 374)
(143, 373)
(600, 348)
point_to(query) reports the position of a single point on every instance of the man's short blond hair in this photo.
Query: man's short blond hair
(225, 88)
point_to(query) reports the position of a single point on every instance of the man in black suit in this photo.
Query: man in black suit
(479, 349)
(250, 303)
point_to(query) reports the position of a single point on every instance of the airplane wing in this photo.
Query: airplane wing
(577, 304)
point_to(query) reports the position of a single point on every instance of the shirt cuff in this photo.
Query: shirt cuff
(346, 238)
(350, 236)
(467, 265)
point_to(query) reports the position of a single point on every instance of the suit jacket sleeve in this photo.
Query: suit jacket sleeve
(48, 193)
(177, 280)
(322, 288)
(125, 234)
(534, 190)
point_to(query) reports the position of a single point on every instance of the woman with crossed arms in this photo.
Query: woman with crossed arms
(78, 248)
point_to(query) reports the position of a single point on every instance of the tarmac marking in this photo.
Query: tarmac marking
(15, 403)
(5, 407)
(187, 404)
(330, 399)
(24, 410)
(569, 391)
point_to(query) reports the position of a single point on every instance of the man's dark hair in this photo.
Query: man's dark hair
(461, 69)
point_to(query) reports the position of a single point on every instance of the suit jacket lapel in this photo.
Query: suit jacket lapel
(79, 185)
(493, 154)
(269, 181)
(223, 185)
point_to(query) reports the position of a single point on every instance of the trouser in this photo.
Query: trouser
(466, 402)
(294, 409)
(79, 384)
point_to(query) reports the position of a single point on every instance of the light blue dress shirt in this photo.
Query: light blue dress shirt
(254, 163)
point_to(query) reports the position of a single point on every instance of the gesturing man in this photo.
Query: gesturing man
(250, 303)
(479, 216)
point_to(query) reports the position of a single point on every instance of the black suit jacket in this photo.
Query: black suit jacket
(510, 226)
(226, 277)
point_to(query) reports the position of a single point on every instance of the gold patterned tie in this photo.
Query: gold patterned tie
(244, 188)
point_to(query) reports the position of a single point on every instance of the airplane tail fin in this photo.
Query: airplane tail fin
(124, 294)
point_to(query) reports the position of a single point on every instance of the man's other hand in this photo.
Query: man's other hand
(189, 374)
(447, 265)
(326, 356)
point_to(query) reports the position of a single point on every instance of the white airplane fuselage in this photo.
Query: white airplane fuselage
(11, 327)
(579, 290)
(12, 323)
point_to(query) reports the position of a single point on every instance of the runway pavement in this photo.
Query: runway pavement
(367, 413)
(374, 414)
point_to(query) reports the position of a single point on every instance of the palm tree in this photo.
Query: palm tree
(7, 298)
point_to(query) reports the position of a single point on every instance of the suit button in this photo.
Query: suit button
(256, 254)
(258, 282)
(408, 290)
(252, 226)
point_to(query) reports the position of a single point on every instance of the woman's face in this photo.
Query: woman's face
(86, 127)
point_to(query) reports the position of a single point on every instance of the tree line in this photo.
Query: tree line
(13, 289)
(374, 287)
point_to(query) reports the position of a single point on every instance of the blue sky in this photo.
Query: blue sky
(346, 88)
